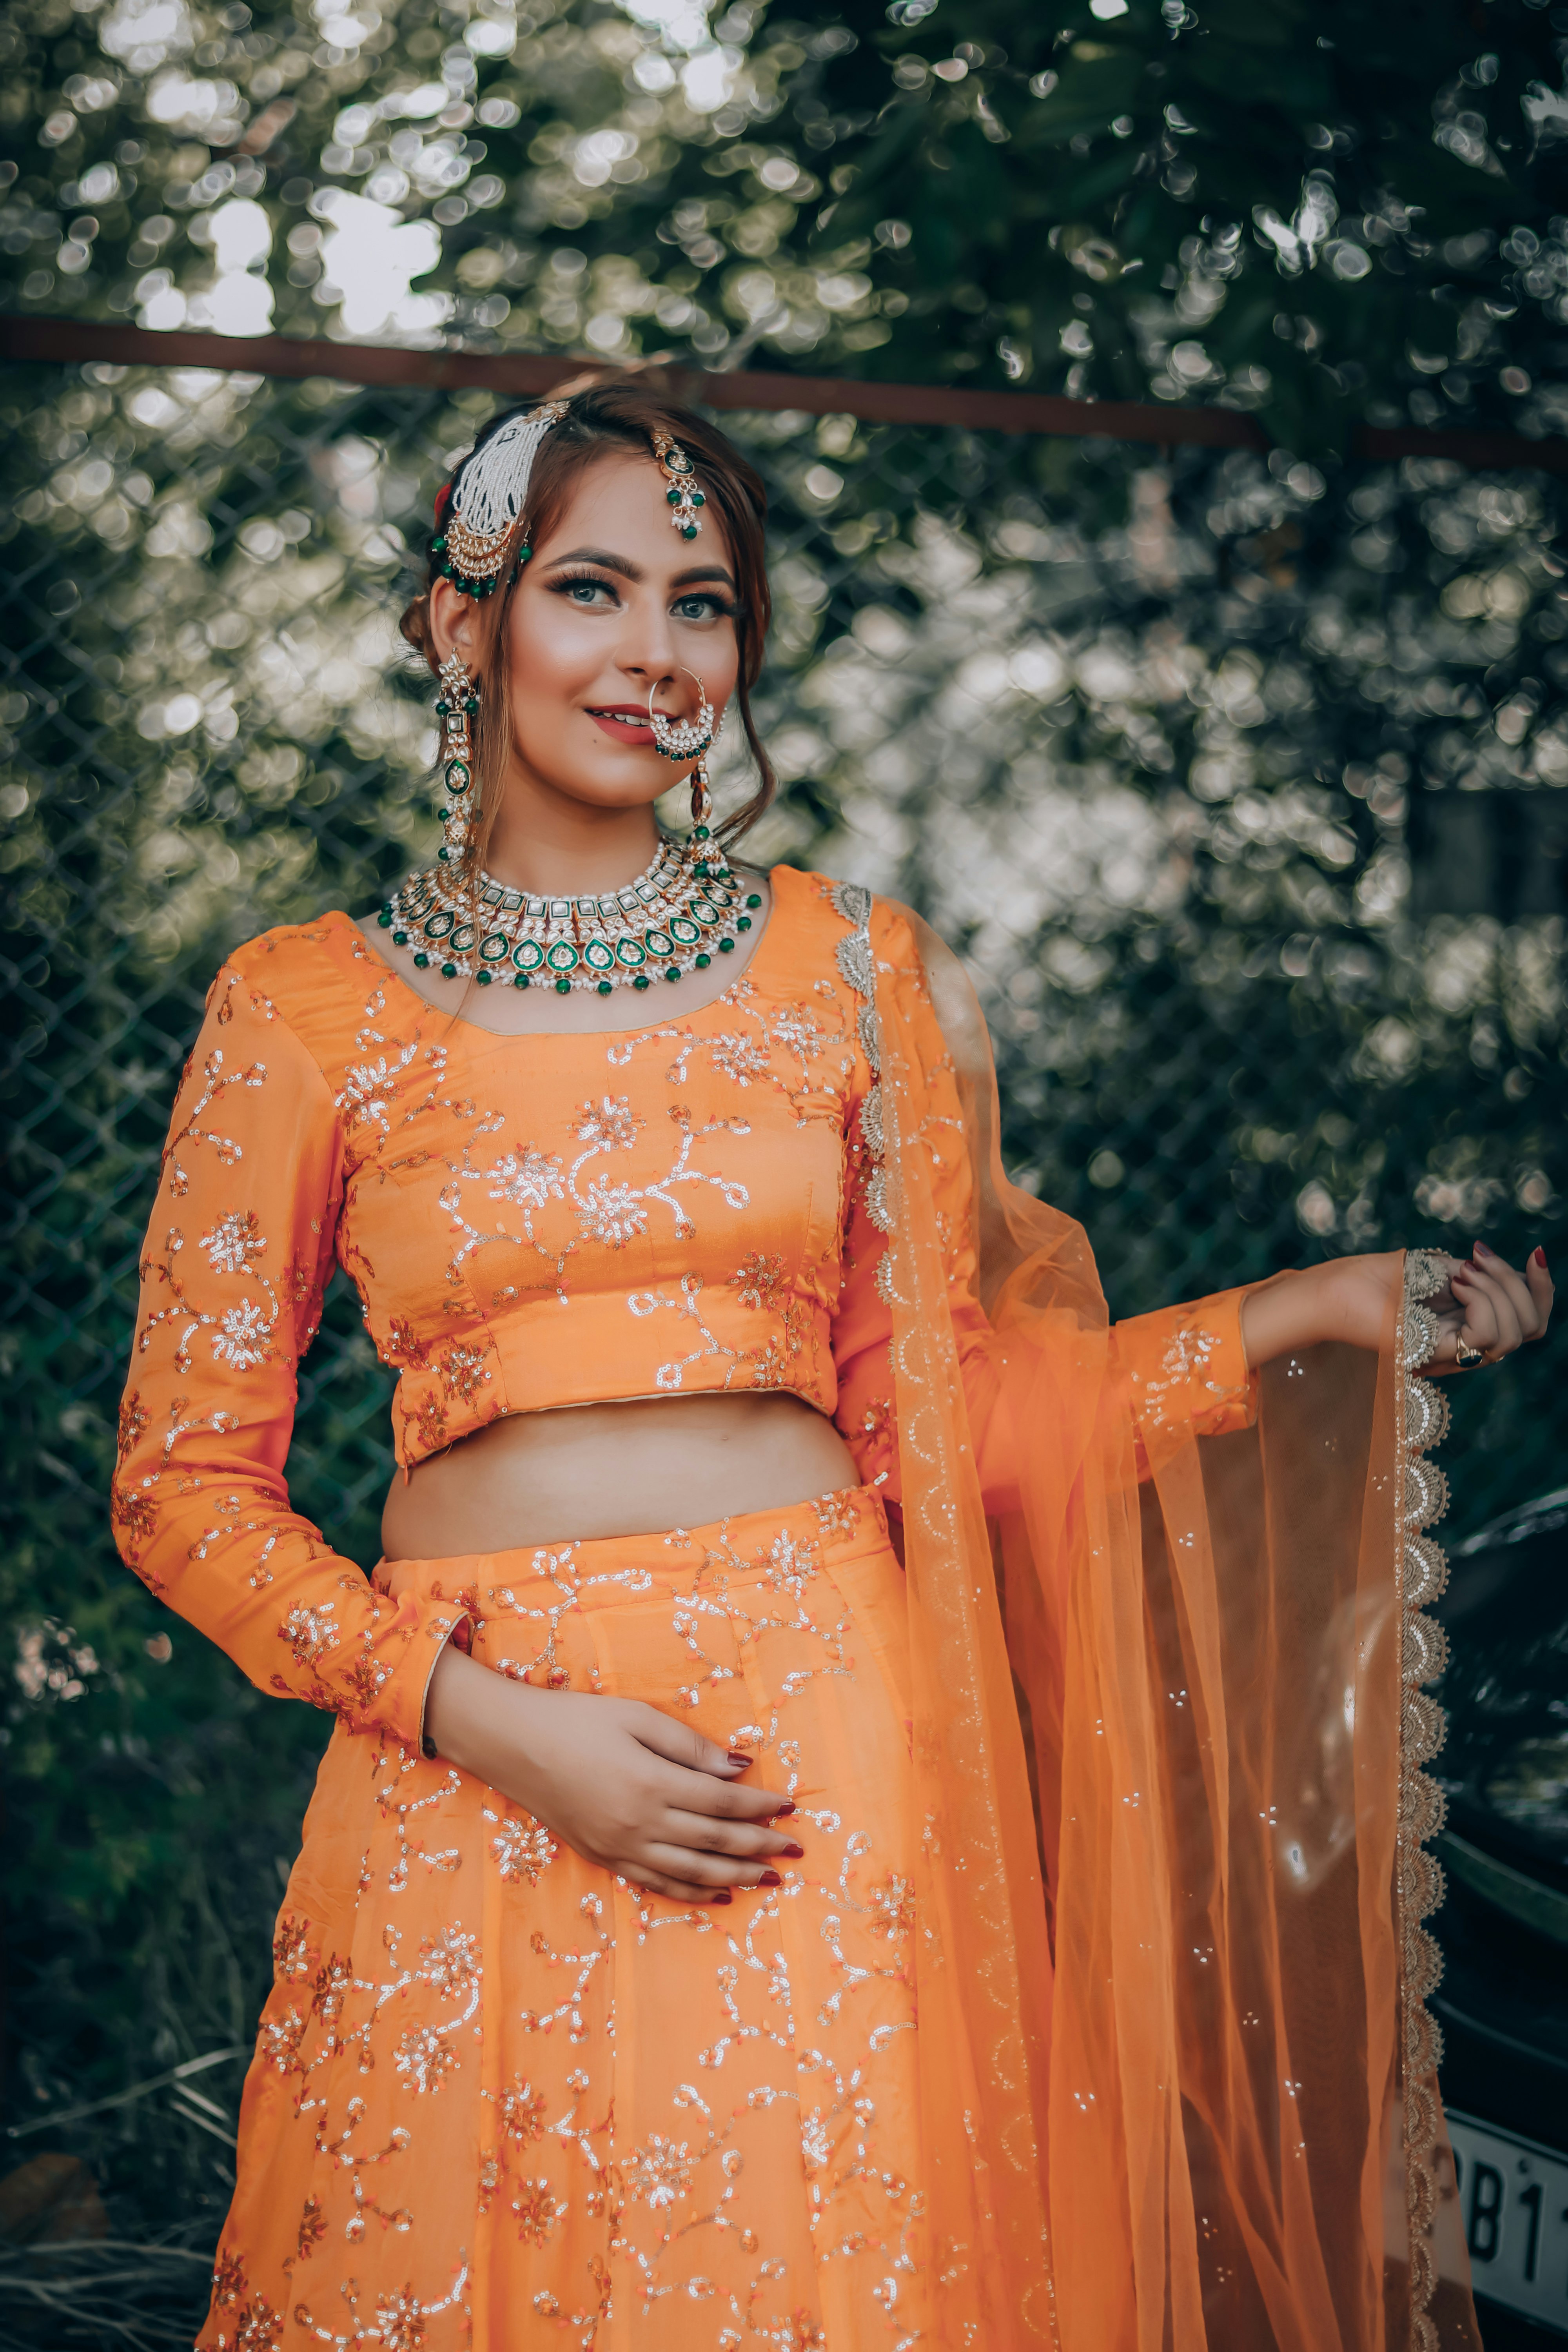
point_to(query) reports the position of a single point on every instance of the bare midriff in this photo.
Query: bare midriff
(631, 1469)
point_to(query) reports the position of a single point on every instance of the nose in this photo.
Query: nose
(651, 663)
(647, 649)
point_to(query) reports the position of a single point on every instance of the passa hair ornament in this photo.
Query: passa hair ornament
(483, 504)
(683, 495)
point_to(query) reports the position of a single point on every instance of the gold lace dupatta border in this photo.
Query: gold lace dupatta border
(1422, 1421)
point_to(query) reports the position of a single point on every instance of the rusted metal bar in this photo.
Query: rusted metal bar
(523, 374)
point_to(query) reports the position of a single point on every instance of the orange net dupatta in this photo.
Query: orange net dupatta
(1179, 2087)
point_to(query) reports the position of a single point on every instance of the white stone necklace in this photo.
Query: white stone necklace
(667, 922)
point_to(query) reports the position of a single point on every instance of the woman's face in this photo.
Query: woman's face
(612, 604)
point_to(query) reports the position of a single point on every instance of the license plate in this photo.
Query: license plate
(1513, 2196)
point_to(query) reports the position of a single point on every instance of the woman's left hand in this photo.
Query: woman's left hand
(1484, 1311)
(1485, 1305)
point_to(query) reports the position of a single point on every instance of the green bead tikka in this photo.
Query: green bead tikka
(683, 498)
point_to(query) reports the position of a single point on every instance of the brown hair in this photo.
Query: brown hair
(602, 420)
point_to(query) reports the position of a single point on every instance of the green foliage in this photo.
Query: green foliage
(1319, 212)
(1302, 209)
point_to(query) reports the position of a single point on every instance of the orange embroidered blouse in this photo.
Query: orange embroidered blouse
(531, 1223)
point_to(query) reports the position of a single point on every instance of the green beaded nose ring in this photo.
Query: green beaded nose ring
(681, 740)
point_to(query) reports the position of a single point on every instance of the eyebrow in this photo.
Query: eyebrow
(634, 571)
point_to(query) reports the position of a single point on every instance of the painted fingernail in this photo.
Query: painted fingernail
(1541, 1260)
(723, 1895)
(1481, 1250)
(737, 1756)
(781, 1810)
(770, 1878)
(794, 1854)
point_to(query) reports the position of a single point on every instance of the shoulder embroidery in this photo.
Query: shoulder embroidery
(852, 901)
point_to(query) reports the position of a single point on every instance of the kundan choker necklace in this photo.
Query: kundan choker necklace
(668, 922)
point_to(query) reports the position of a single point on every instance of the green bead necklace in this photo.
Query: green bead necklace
(666, 923)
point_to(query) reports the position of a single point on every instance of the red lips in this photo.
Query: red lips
(623, 722)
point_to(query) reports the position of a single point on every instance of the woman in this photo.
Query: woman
(804, 1624)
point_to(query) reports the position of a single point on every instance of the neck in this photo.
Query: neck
(554, 847)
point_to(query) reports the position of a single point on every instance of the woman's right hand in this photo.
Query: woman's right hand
(617, 1781)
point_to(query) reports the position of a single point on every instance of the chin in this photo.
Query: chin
(616, 791)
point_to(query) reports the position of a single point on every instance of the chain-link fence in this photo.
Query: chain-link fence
(1241, 786)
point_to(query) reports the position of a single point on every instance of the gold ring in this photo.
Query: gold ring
(1468, 1358)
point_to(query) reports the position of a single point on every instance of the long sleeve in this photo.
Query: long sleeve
(238, 1255)
(1186, 1372)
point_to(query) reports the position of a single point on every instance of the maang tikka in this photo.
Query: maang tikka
(682, 492)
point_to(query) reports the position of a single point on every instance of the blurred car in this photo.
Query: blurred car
(1503, 2001)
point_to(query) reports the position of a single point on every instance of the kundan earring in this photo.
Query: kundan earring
(682, 493)
(684, 738)
(457, 706)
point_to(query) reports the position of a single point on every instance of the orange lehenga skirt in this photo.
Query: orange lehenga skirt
(500, 2097)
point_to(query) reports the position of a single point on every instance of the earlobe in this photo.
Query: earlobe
(451, 622)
